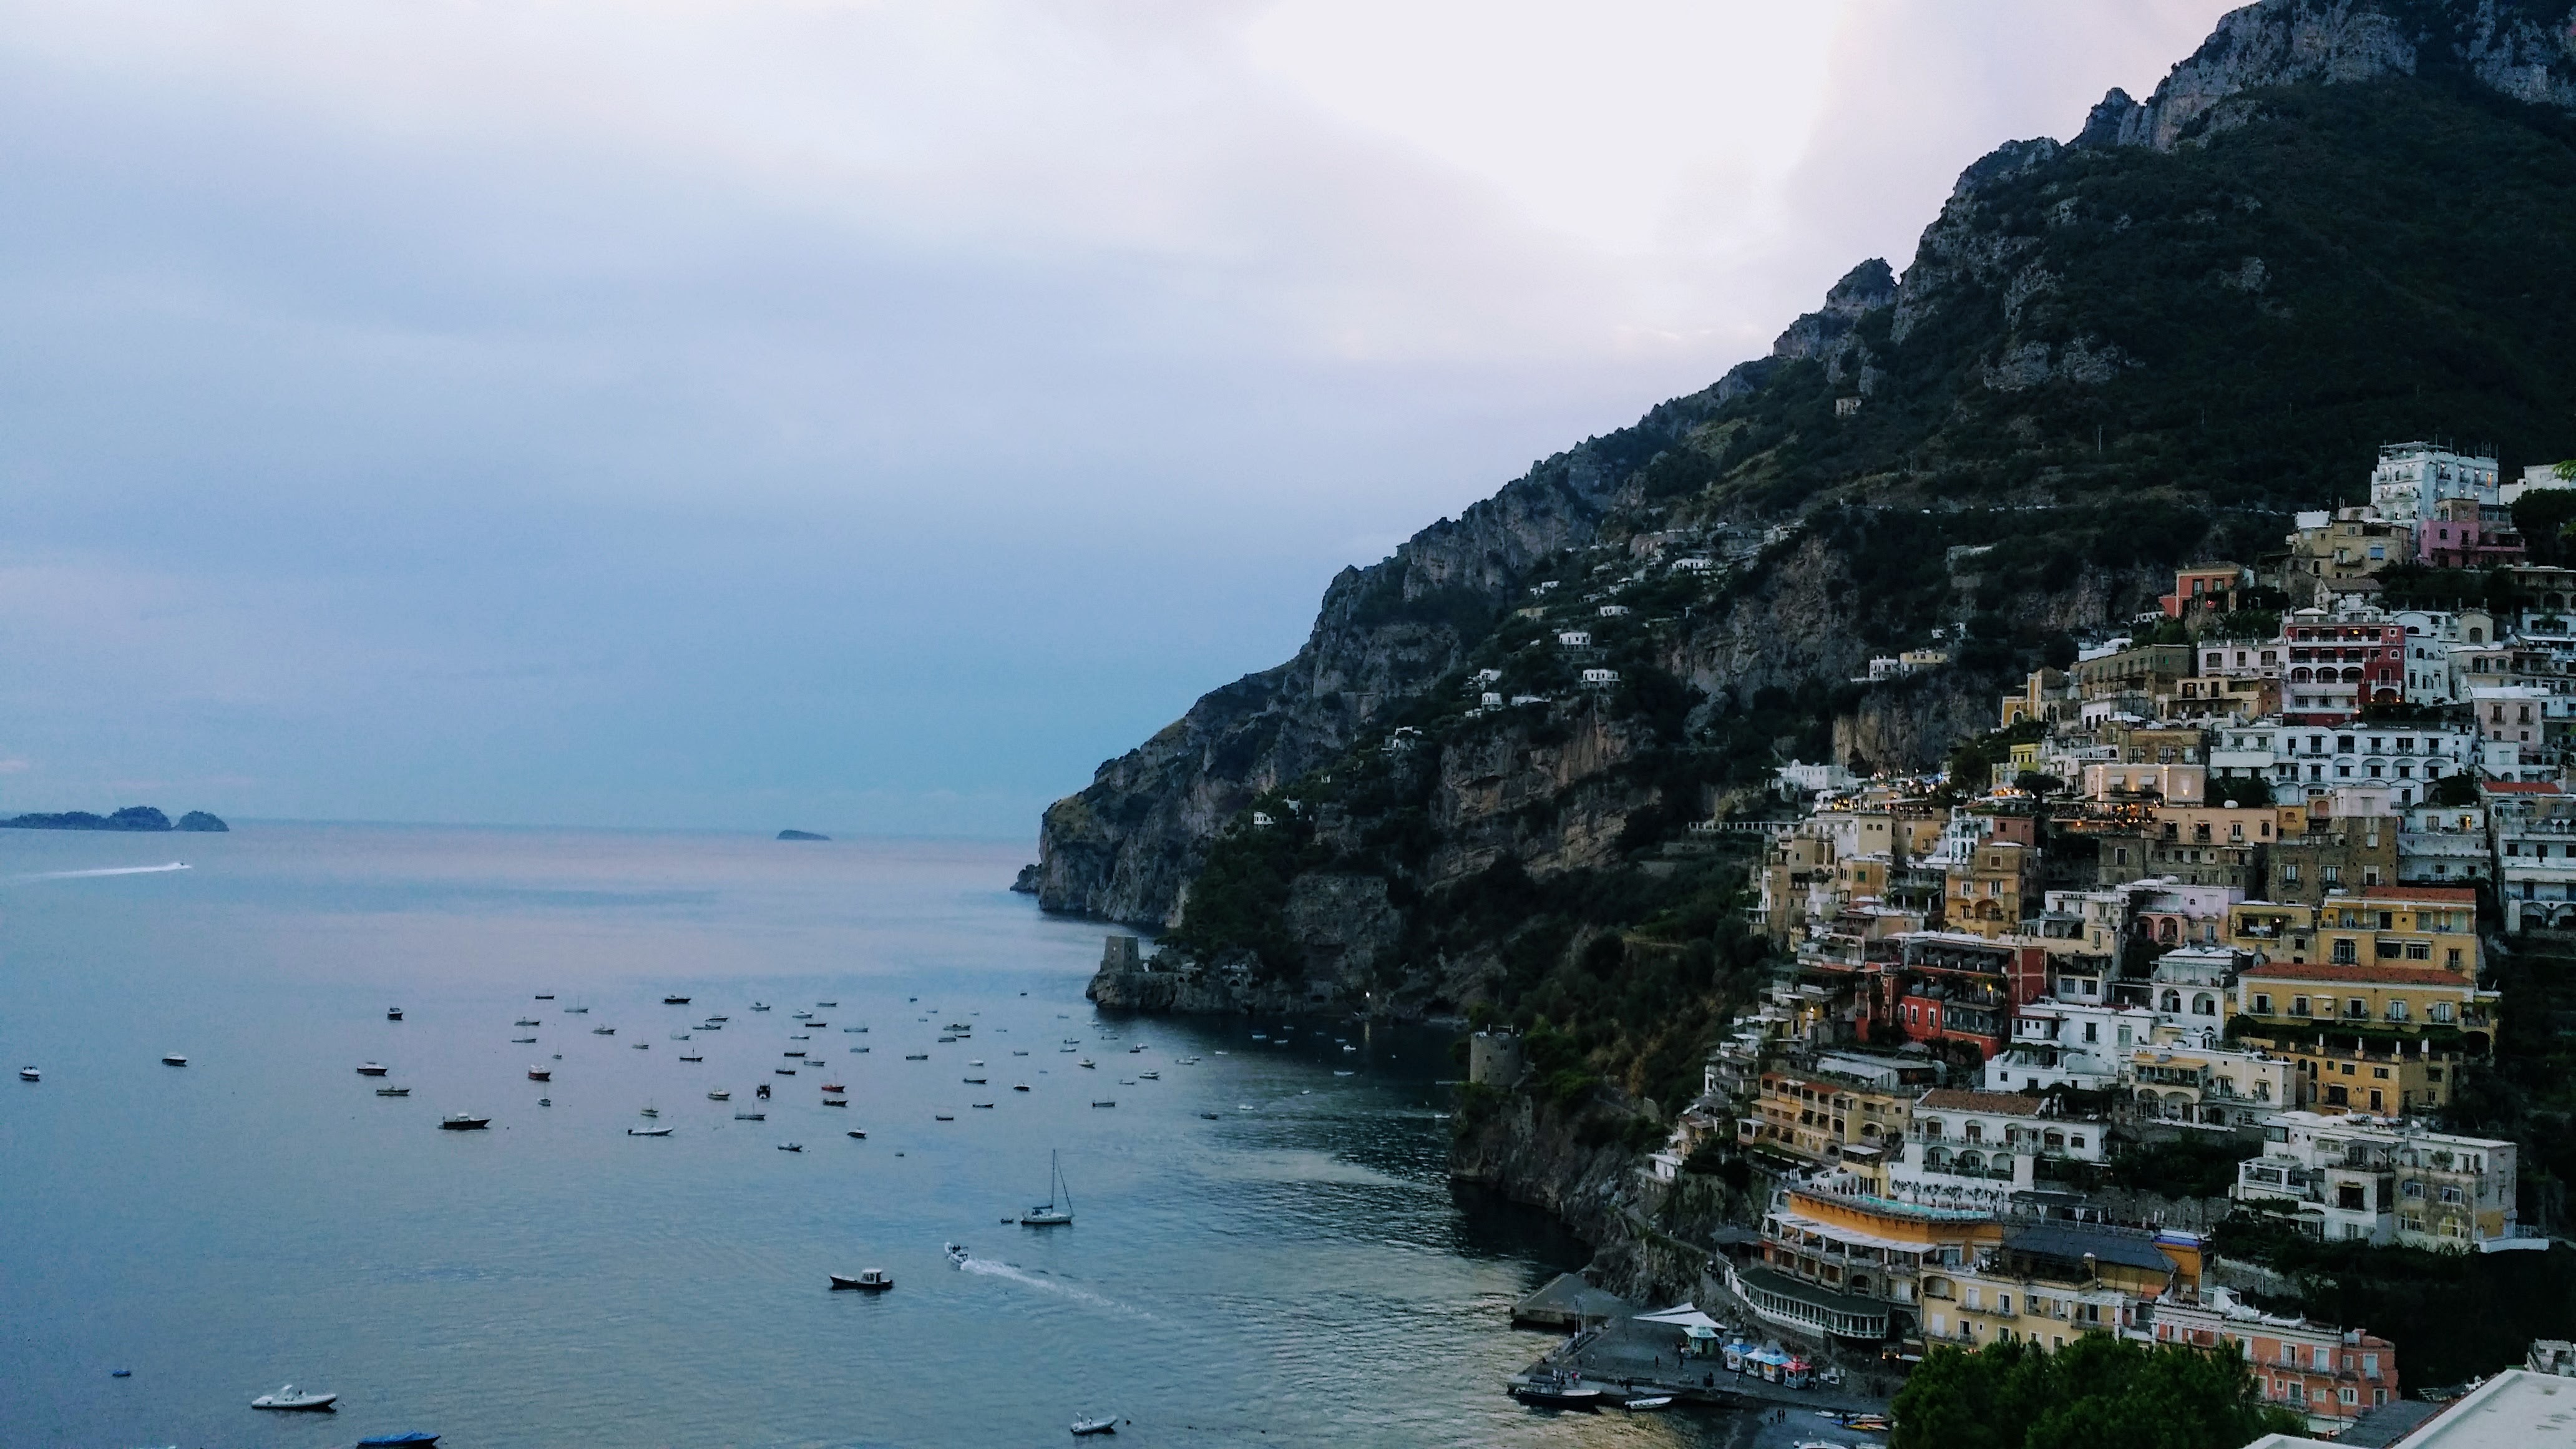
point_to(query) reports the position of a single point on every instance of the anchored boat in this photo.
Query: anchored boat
(1057, 1210)
(870, 1280)
(290, 1401)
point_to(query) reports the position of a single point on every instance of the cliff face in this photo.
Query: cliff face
(2104, 358)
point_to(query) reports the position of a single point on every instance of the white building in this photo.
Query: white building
(1575, 639)
(2533, 827)
(2412, 477)
(2536, 476)
(2315, 759)
(1974, 1150)
(2209, 1085)
(2383, 1180)
(1600, 678)
(2443, 845)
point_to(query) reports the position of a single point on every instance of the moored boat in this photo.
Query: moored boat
(541, 1074)
(1557, 1394)
(30, 1074)
(791, 1146)
(1647, 1404)
(393, 1013)
(719, 1095)
(393, 1091)
(751, 1116)
(1057, 1210)
(289, 1400)
(648, 1131)
(603, 1031)
(463, 1122)
(869, 1280)
(414, 1439)
(173, 1059)
(1085, 1427)
(675, 1001)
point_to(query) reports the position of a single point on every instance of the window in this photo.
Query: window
(2396, 1012)
(2344, 954)
(2298, 1006)
(2262, 1003)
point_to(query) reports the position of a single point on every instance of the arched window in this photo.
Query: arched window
(1936, 1157)
(2300, 676)
(1972, 1161)
(2173, 1002)
(2204, 1004)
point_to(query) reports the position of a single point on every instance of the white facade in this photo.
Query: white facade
(2378, 1180)
(2443, 845)
(2315, 759)
(2412, 477)
(2535, 476)
(1974, 1150)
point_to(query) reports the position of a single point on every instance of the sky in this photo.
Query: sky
(857, 416)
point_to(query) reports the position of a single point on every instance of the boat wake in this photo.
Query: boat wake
(1040, 1281)
(109, 870)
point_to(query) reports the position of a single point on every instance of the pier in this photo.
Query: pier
(1626, 1358)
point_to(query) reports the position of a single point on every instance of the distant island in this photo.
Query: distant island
(132, 817)
(801, 835)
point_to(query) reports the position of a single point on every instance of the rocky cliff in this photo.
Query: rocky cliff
(2338, 223)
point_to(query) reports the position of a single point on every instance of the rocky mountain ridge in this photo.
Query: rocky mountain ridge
(2105, 357)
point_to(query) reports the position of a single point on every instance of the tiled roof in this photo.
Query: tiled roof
(2459, 895)
(2518, 787)
(2358, 975)
(1954, 1099)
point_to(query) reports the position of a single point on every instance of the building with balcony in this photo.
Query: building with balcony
(2209, 1086)
(1818, 1113)
(2050, 1282)
(1844, 1263)
(1973, 1150)
(2331, 1375)
(2357, 1178)
(2532, 826)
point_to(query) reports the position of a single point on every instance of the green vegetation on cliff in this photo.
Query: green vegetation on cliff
(2098, 1392)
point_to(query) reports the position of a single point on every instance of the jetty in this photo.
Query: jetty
(1628, 1353)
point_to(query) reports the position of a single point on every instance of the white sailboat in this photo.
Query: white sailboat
(1057, 1210)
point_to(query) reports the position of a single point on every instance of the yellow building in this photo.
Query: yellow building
(2386, 1039)
(2050, 1283)
(2433, 927)
(1851, 1264)
(1818, 1114)
(1994, 890)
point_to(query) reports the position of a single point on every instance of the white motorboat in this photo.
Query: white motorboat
(30, 1074)
(957, 1254)
(720, 1095)
(525, 1021)
(801, 1015)
(289, 1400)
(173, 1059)
(1649, 1404)
(648, 1131)
(791, 1146)
(603, 1031)
(393, 1091)
(1057, 1210)
(1085, 1427)
(1150, 1076)
(1088, 1062)
(751, 1116)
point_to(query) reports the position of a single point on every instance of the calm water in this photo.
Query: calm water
(1297, 1270)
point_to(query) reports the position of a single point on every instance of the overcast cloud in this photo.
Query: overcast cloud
(861, 416)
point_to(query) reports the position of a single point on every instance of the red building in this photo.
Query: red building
(2363, 662)
(1952, 987)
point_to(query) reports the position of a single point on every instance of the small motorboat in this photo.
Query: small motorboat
(1340, 1073)
(1213, 1116)
(1348, 1048)
(288, 1400)
(603, 1031)
(976, 1081)
(1019, 1086)
(1088, 1062)
(870, 1280)
(393, 1091)
(1068, 1051)
(719, 1096)
(576, 1011)
(1552, 1394)
(393, 1013)
(1104, 1104)
(1084, 1428)
(650, 1112)
(943, 1116)
(1131, 1051)
(675, 1001)
(120, 1373)
(648, 1131)
(784, 1071)
(1017, 1052)
(916, 1056)
(415, 1439)
(1126, 1081)
(981, 1106)
(751, 1116)
(801, 1036)
(525, 1021)
(541, 1074)
(791, 1146)
(1648, 1404)
(523, 1041)
(956, 1254)
(858, 1051)
(545, 996)
(858, 1133)
(827, 1005)
(173, 1059)
(760, 1006)
(834, 1087)
(711, 1026)
(1149, 1076)
(1261, 1036)
(801, 1015)
(719, 1019)
(691, 1057)
(836, 1101)
(641, 1046)
(30, 1074)
(463, 1122)
(545, 1101)
(793, 1052)
(976, 1063)
(1189, 1061)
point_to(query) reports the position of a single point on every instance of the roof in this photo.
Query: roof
(2382, 1426)
(1955, 1099)
(2356, 975)
(2075, 1242)
(2515, 1407)
(2518, 787)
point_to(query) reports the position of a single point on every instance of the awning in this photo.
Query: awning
(1686, 1315)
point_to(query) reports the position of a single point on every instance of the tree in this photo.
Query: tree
(2541, 516)
(2098, 1392)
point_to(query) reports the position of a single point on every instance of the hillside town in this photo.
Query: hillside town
(2231, 878)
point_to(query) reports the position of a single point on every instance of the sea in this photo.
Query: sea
(1266, 1247)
